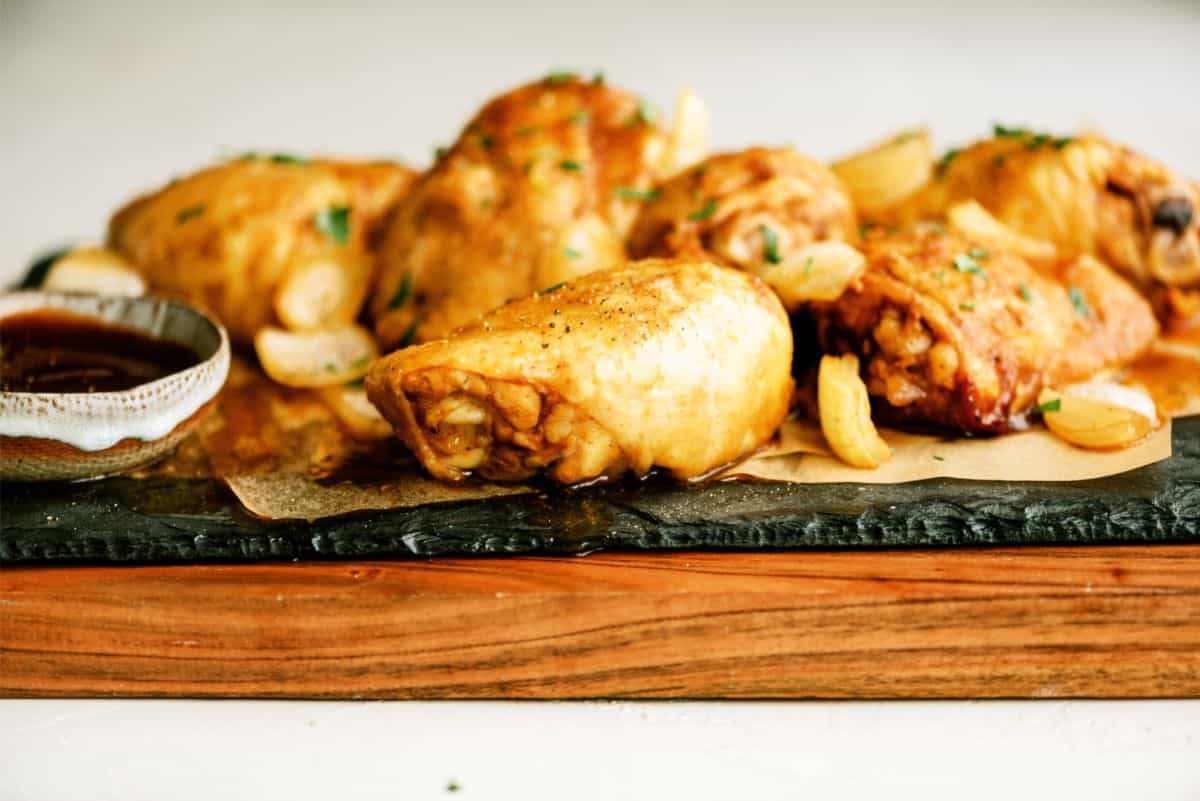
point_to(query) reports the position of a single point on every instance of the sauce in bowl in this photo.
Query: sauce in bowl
(56, 351)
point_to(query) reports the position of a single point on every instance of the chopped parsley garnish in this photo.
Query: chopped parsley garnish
(410, 334)
(559, 77)
(770, 244)
(334, 222)
(330, 367)
(865, 229)
(554, 288)
(361, 361)
(631, 193)
(1036, 141)
(1050, 406)
(598, 78)
(1062, 142)
(964, 263)
(570, 165)
(978, 253)
(527, 130)
(705, 211)
(581, 117)
(1025, 293)
(937, 458)
(808, 265)
(1077, 300)
(967, 306)
(572, 253)
(998, 160)
(438, 152)
(277, 158)
(645, 112)
(452, 787)
(356, 383)
(402, 294)
(945, 161)
(189, 213)
(1010, 133)
(486, 141)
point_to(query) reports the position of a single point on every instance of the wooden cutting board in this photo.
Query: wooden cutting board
(1095, 621)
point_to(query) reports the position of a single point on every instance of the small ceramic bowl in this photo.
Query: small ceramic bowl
(48, 436)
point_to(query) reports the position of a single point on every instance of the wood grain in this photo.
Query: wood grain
(1030, 622)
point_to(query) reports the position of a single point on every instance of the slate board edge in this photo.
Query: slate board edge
(89, 523)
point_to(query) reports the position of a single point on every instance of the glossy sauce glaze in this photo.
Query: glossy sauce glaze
(54, 351)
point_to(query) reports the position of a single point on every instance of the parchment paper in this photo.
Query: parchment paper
(285, 456)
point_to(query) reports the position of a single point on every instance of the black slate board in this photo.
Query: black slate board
(172, 520)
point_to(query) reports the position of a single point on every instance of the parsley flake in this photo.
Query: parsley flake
(288, 158)
(1050, 406)
(572, 253)
(946, 160)
(410, 334)
(1036, 141)
(964, 263)
(191, 212)
(937, 458)
(645, 112)
(1078, 301)
(527, 130)
(770, 244)
(632, 193)
(598, 78)
(978, 253)
(808, 266)
(559, 77)
(1010, 133)
(570, 165)
(334, 222)
(1062, 142)
(362, 361)
(581, 117)
(705, 211)
(1025, 293)
(967, 306)
(554, 288)
(402, 294)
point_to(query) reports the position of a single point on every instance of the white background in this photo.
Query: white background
(101, 100)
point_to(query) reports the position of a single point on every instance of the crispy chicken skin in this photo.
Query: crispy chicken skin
(675, 364)
(955, 336)
(1086, 195)
(540, 188)
(226, 236)
(724, 207)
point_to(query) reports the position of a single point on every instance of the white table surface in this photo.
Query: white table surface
(100, 100)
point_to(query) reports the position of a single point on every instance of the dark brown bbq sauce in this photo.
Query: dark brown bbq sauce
(54, 351)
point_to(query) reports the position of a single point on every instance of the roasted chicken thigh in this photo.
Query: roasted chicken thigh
(746, 209)
(540, 188)
(955, 335)
(227, 236)
(677, 364)
(1086, 195)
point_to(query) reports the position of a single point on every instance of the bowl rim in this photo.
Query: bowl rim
(201, 388)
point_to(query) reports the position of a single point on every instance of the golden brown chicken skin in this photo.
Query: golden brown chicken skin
(540, 188)
(1086, 195)
(745, 209)
(675, 364)
(225, 237)
(956, 336)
